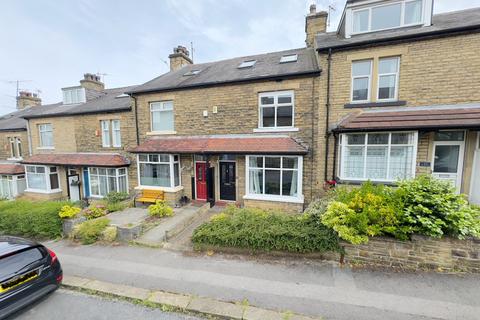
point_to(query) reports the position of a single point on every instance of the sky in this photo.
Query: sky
(51, 43)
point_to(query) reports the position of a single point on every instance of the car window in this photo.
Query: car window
(18, 261)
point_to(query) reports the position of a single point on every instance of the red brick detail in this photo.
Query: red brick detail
(79, 159)
(217, 145)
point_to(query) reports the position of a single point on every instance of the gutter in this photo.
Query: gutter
(64, 114)
(327, 117)
(402, 38)
(211, 84)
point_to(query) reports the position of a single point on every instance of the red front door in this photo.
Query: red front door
(201, 172)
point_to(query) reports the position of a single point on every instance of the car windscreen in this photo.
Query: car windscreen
(19, 261)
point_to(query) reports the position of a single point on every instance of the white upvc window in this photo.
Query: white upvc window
(116, 135)
(378, 156)
(387, 16)
(45, 132)
(74, 95)
(276, 110)
(15, 144)
(159, 170)
(111, 135)
(162, 116)
(106, 180)
(274, 178)
(44, 179)
(388, 69)
(105, 124)
(361, 80)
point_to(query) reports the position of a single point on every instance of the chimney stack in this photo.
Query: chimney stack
(27, 99)
(179, 58)
(315, 22)
(91, 81)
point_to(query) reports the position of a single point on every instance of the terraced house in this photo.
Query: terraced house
(391, 94)
(399, 94)
(78, 146)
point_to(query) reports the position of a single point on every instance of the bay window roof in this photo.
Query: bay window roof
(11, 168)
(79, 159)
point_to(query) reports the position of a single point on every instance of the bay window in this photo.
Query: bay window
(159, 170)
(42, 178)
(106, 180)
(6, 187)
(387, 16)
(276, 110)
(274, 178)
(381, 156)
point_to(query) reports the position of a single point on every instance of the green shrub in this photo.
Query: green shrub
(160, 209)
(68, 212)
(263, 230)
(115, 206)
(114, 197)
(367, 211)
(109, 234)
(95, 211)
(31, 219)
(432, 207)
(89, 232)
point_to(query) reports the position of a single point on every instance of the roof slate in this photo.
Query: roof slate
(107, 102)
(226, 71)
(79, 159)
(445, 22)
(435, 117)
(239, 144)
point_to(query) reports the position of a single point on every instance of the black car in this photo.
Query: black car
(28, 271)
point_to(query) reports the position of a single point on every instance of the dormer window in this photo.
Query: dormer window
(73, 95)
(247, 64)
(386, 16)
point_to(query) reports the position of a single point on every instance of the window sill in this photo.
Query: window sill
(360, 182)
(398, 103)
(15, 159)
(43, 191)
(166, 189)
(157, 133)
(275, 130)
(45, 148)
(299, 200)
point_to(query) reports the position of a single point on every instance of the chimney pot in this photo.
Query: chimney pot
(315, 22)
(26, 99)
(179, 58)
(313, 8)
(92, 81)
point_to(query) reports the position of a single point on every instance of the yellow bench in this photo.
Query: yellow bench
(150, 196)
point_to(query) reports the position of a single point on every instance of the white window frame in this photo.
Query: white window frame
(402, 16)
(162, 106)
(369, 76)
(105, 128)
(396, 74)
(275, 95)
(15, 145)
(44, 128)
(343, 145)
(108, 130)
(116, 143)
(117, 178)
(278, 198)
(74, 95)
(46, 175)
(171, 162)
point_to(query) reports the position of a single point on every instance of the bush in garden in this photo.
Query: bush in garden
(115, 206)
(95, 211)
(160, 209)
(367, 211)
(114, 197)
(68, 212)
(89, 232)
(432, 207)
(264, 230)
(31, 219)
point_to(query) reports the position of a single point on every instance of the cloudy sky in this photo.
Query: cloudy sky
(52, 43)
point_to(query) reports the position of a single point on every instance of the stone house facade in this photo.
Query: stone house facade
(403, 101)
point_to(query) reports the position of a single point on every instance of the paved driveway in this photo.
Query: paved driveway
(308, 287)
(68, 305)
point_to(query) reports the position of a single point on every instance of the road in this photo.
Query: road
(308, 287)
(69, 305)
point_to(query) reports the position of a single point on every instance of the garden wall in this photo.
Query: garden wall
(422, 253)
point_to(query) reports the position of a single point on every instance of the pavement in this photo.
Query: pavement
(129, 216)
(307, 287)
(70, 305)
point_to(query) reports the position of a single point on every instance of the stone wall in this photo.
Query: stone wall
(5, 152)
(421, 253)
(63, 129)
